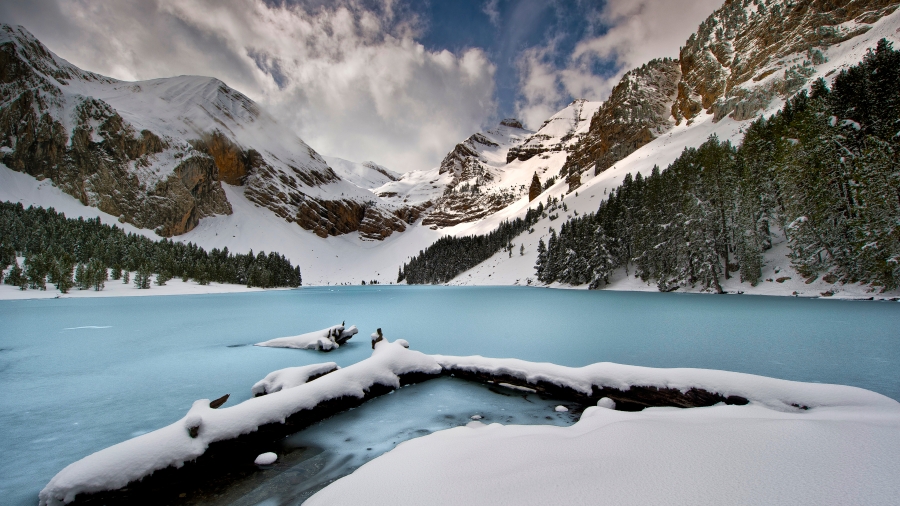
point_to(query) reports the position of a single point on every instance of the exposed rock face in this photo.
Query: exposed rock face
(100, 159)
(638, 110)
(746, 41)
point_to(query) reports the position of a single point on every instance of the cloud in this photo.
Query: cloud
(637, 31)
(347, 76)
(492, 11)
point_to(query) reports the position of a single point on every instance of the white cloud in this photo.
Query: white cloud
(640, 30)
(348, 79)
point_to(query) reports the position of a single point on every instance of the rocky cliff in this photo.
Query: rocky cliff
(473, 172)
(726, 63)
(638, 110)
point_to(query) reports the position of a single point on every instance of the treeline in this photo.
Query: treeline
(85, 253)
(449, 256)
(824, 171)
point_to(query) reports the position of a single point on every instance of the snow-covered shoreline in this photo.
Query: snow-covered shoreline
(115, 288)
(817, 414)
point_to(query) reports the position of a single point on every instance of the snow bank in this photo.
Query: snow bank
(116, 466)
(290, 377)
(841, 450)
(322, 340)
(703, 456)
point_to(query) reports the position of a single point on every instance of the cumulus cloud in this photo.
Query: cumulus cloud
(638, 31)
(347, 76)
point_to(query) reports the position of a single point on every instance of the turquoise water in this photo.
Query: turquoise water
(137, 363)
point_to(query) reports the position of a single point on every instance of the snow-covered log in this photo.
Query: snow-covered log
(208, 442)
(322, 340)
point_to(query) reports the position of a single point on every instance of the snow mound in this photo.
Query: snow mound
(266, 459)
(321, 340)
(290, 377)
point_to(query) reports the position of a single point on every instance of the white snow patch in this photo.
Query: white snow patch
(290, 377)
(266, 459)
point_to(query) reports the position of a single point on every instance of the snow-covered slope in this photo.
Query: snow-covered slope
(368, 175)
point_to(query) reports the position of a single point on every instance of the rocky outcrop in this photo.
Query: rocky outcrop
(462, 162)
(637, 111)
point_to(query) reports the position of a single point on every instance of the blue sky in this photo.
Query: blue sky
(399, 82)
(504, 29)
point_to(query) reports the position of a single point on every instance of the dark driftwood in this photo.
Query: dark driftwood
(216, 403)
(226, 462)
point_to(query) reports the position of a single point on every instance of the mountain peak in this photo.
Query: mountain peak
(28, 49)
(512, 123)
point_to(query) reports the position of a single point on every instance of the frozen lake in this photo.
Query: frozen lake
(81, 375)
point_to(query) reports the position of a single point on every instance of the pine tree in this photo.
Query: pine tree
(36, 271)
(126, 277)
(82, 278)
(98, 273)
(541, 264)
(16, 276)
(63, 268)
(534, 191)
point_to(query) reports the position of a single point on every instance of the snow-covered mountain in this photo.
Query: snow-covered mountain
(744, 60)
(154, 153)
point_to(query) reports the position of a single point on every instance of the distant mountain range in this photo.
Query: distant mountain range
(155, 154)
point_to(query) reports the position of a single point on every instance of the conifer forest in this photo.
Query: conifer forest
(824, 172)
(86, 254)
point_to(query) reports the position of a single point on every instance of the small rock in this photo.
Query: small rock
(266, 459)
